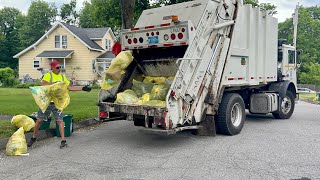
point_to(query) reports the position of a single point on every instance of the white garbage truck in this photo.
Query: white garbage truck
(225, 57)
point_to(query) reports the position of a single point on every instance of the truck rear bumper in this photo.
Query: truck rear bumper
(169, 131)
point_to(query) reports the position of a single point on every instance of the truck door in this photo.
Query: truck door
(289, 64)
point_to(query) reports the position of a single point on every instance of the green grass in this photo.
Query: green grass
(307, 96)
(15, 101)
(6, 129)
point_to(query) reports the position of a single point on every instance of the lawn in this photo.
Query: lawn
(7, 129)
(307, 96)
(15, 101)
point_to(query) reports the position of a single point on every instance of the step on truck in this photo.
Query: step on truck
(225, 58)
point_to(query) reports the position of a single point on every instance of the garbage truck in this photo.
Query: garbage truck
(225, 57)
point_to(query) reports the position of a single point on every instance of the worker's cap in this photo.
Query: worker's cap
(54, 63)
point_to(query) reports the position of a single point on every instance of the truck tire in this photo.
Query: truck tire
(286, 107)
(231, 114)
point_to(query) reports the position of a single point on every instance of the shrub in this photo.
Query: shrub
(6, 73)
(27, 85)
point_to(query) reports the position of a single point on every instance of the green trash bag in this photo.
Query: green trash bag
(159, 92)
(141, 88)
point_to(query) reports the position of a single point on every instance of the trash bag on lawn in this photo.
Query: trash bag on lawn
(159, 92)
(23, 121)
(41, 96)
(126, 98)
(17, 143)
(59, 94)
(141, 88)
(155, 103)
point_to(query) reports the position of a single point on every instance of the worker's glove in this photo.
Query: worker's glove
(86, 88)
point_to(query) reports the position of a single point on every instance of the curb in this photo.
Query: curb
(48, 133)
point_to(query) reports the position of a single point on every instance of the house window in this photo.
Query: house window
(36, 64)
(108, 44)
(60, 41)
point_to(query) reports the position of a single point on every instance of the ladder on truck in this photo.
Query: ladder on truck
(202, 62)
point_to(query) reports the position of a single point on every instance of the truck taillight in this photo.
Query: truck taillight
(173, 36)
(152, 33)
(183, 29)
(158, 33)
(147, 34)
(141, 40)
(104, 114)
(180, 35)
(135, 40)
(129, 41)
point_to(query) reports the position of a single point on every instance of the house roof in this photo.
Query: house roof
(107, 54)
(96, 33)
(55, 54)
(84, 35)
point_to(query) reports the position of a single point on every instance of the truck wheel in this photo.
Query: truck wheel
(231, 115)
(286, 108)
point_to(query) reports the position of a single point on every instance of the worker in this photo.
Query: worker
(50, 78)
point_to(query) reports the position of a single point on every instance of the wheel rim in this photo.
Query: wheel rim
(236, 115)
(286, 105)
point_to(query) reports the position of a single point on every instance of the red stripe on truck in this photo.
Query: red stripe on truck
(240, 78)
(168, 45)
(183, 43)
(230, 79)
(166, 24)
(149, 27)
(135, 29)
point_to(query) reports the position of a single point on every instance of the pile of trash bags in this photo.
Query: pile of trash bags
(117, 68)
(57, 92)
(152, 91)
(17, 144)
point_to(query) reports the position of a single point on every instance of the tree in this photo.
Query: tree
(39, 18)
(271, 9)
(127, 13)
(158, 3)
(9, 41)
(68, 12)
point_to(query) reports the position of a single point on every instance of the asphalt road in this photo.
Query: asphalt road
(265, 149)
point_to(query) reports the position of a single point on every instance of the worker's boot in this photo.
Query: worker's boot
(32, 140)
(63, 144)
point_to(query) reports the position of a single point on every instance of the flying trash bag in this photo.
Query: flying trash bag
(41, 96)
(23, 121)
(17, 144)
(59, 95)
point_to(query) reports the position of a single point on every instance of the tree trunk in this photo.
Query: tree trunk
(127, 13)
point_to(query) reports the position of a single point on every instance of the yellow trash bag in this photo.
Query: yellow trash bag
(122, 60)
(23, 121)
(41, 96)
(155, 103)
(59, 95)
(171, 78)
(145, 98)
(159, 92)
(157, 80)
(126, 98)
(116, 70)
(17, 143)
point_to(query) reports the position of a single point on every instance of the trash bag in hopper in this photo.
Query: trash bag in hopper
(155, 103)
(145, 98)
(41, 96)
(159, 92)
(129, 91)
(141, 88)
(17, 143)
(126, 98)
(59, 94)
(23, 121)
(121, 61)
(157, 80)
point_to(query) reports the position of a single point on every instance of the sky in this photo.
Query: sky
(285, 8)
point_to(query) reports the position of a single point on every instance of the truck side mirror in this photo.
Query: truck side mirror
(299, 53)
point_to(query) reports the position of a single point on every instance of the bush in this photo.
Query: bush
(95, 86)
(9, 82)
(6, 73)
(27, 85)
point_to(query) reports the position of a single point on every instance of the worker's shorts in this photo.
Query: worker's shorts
(57, 114)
